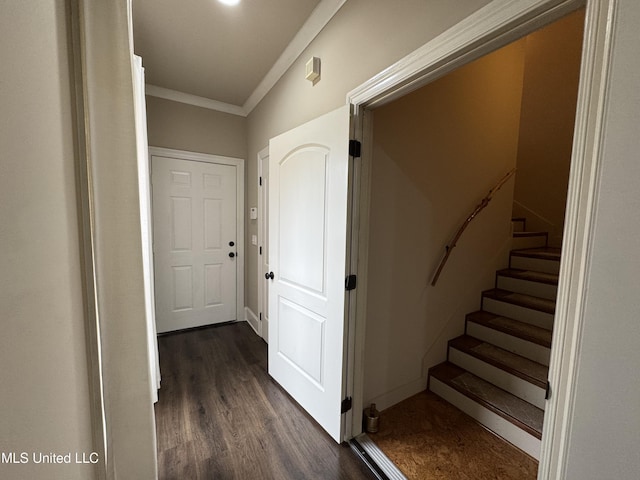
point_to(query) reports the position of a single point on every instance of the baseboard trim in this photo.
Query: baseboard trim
(399, 394)
(253, 320)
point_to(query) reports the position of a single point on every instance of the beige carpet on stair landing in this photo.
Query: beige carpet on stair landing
(427, 438)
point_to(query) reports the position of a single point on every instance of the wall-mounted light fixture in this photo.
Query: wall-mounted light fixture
(230, 2)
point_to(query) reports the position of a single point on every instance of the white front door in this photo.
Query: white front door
(195, 244)
(308, 173)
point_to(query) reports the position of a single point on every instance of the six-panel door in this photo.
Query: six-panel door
(194, 231)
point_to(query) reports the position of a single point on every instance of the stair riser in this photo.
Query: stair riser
(494, 422)
(500, 378)
(525, 348)
(518, 243)
(535, 264)
(523, 314)
(528, 287)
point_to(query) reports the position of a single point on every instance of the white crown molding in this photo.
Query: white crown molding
(324, 11)
(176, 96)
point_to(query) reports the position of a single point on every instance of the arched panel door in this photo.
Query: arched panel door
(308, 201)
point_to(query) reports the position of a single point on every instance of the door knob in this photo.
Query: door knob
(231, 254)
(231, 244)
(269, 275)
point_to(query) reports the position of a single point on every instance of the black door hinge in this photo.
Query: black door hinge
(260, 181)
(345, 406)
(350, 282)
(355, 148)
(260, 250)
(260, 316)
(547, 392)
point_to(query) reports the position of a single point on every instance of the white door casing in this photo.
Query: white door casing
(308, 169)
(195, 242)
(263, 241)
(144, 192)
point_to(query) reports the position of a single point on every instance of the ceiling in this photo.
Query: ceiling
(222, 53)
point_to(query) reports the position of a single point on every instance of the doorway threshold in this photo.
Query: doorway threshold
(376, 460)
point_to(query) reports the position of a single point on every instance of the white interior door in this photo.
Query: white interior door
(195, 244)
(308, 170)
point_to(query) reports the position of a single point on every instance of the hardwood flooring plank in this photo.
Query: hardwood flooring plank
(221, 416)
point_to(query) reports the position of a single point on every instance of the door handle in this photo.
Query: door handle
(231, 254)
(269, 275)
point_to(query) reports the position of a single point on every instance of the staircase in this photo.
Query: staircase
(497, 371)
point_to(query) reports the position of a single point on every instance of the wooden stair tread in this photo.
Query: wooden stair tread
(501, 402)
(525, 331)
(522, 300)
(544, 253)
(528, 370)
(530, 275)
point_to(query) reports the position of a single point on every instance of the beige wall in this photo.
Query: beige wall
(362, 39)
(44, 398)
(116, 229)
(186, 127)
(551, 73)
(437, 152)
(604, 422)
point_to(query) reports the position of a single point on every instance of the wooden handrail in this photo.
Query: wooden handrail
(485, 201)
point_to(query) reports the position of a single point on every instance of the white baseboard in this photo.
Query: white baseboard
(253, 320)
(399, 394)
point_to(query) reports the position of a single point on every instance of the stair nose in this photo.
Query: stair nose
(529, 240)
(538, 284)
(518, 337)
(517, 375)
(525, 308)
(537, 259)
(505, 414)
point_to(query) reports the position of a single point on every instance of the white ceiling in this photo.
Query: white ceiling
(222, 53)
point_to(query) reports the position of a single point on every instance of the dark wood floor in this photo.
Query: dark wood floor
(220, 416)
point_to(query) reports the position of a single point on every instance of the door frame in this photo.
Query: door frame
(263, 331)
(220, 160)
(498, 23)
(144, 182)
